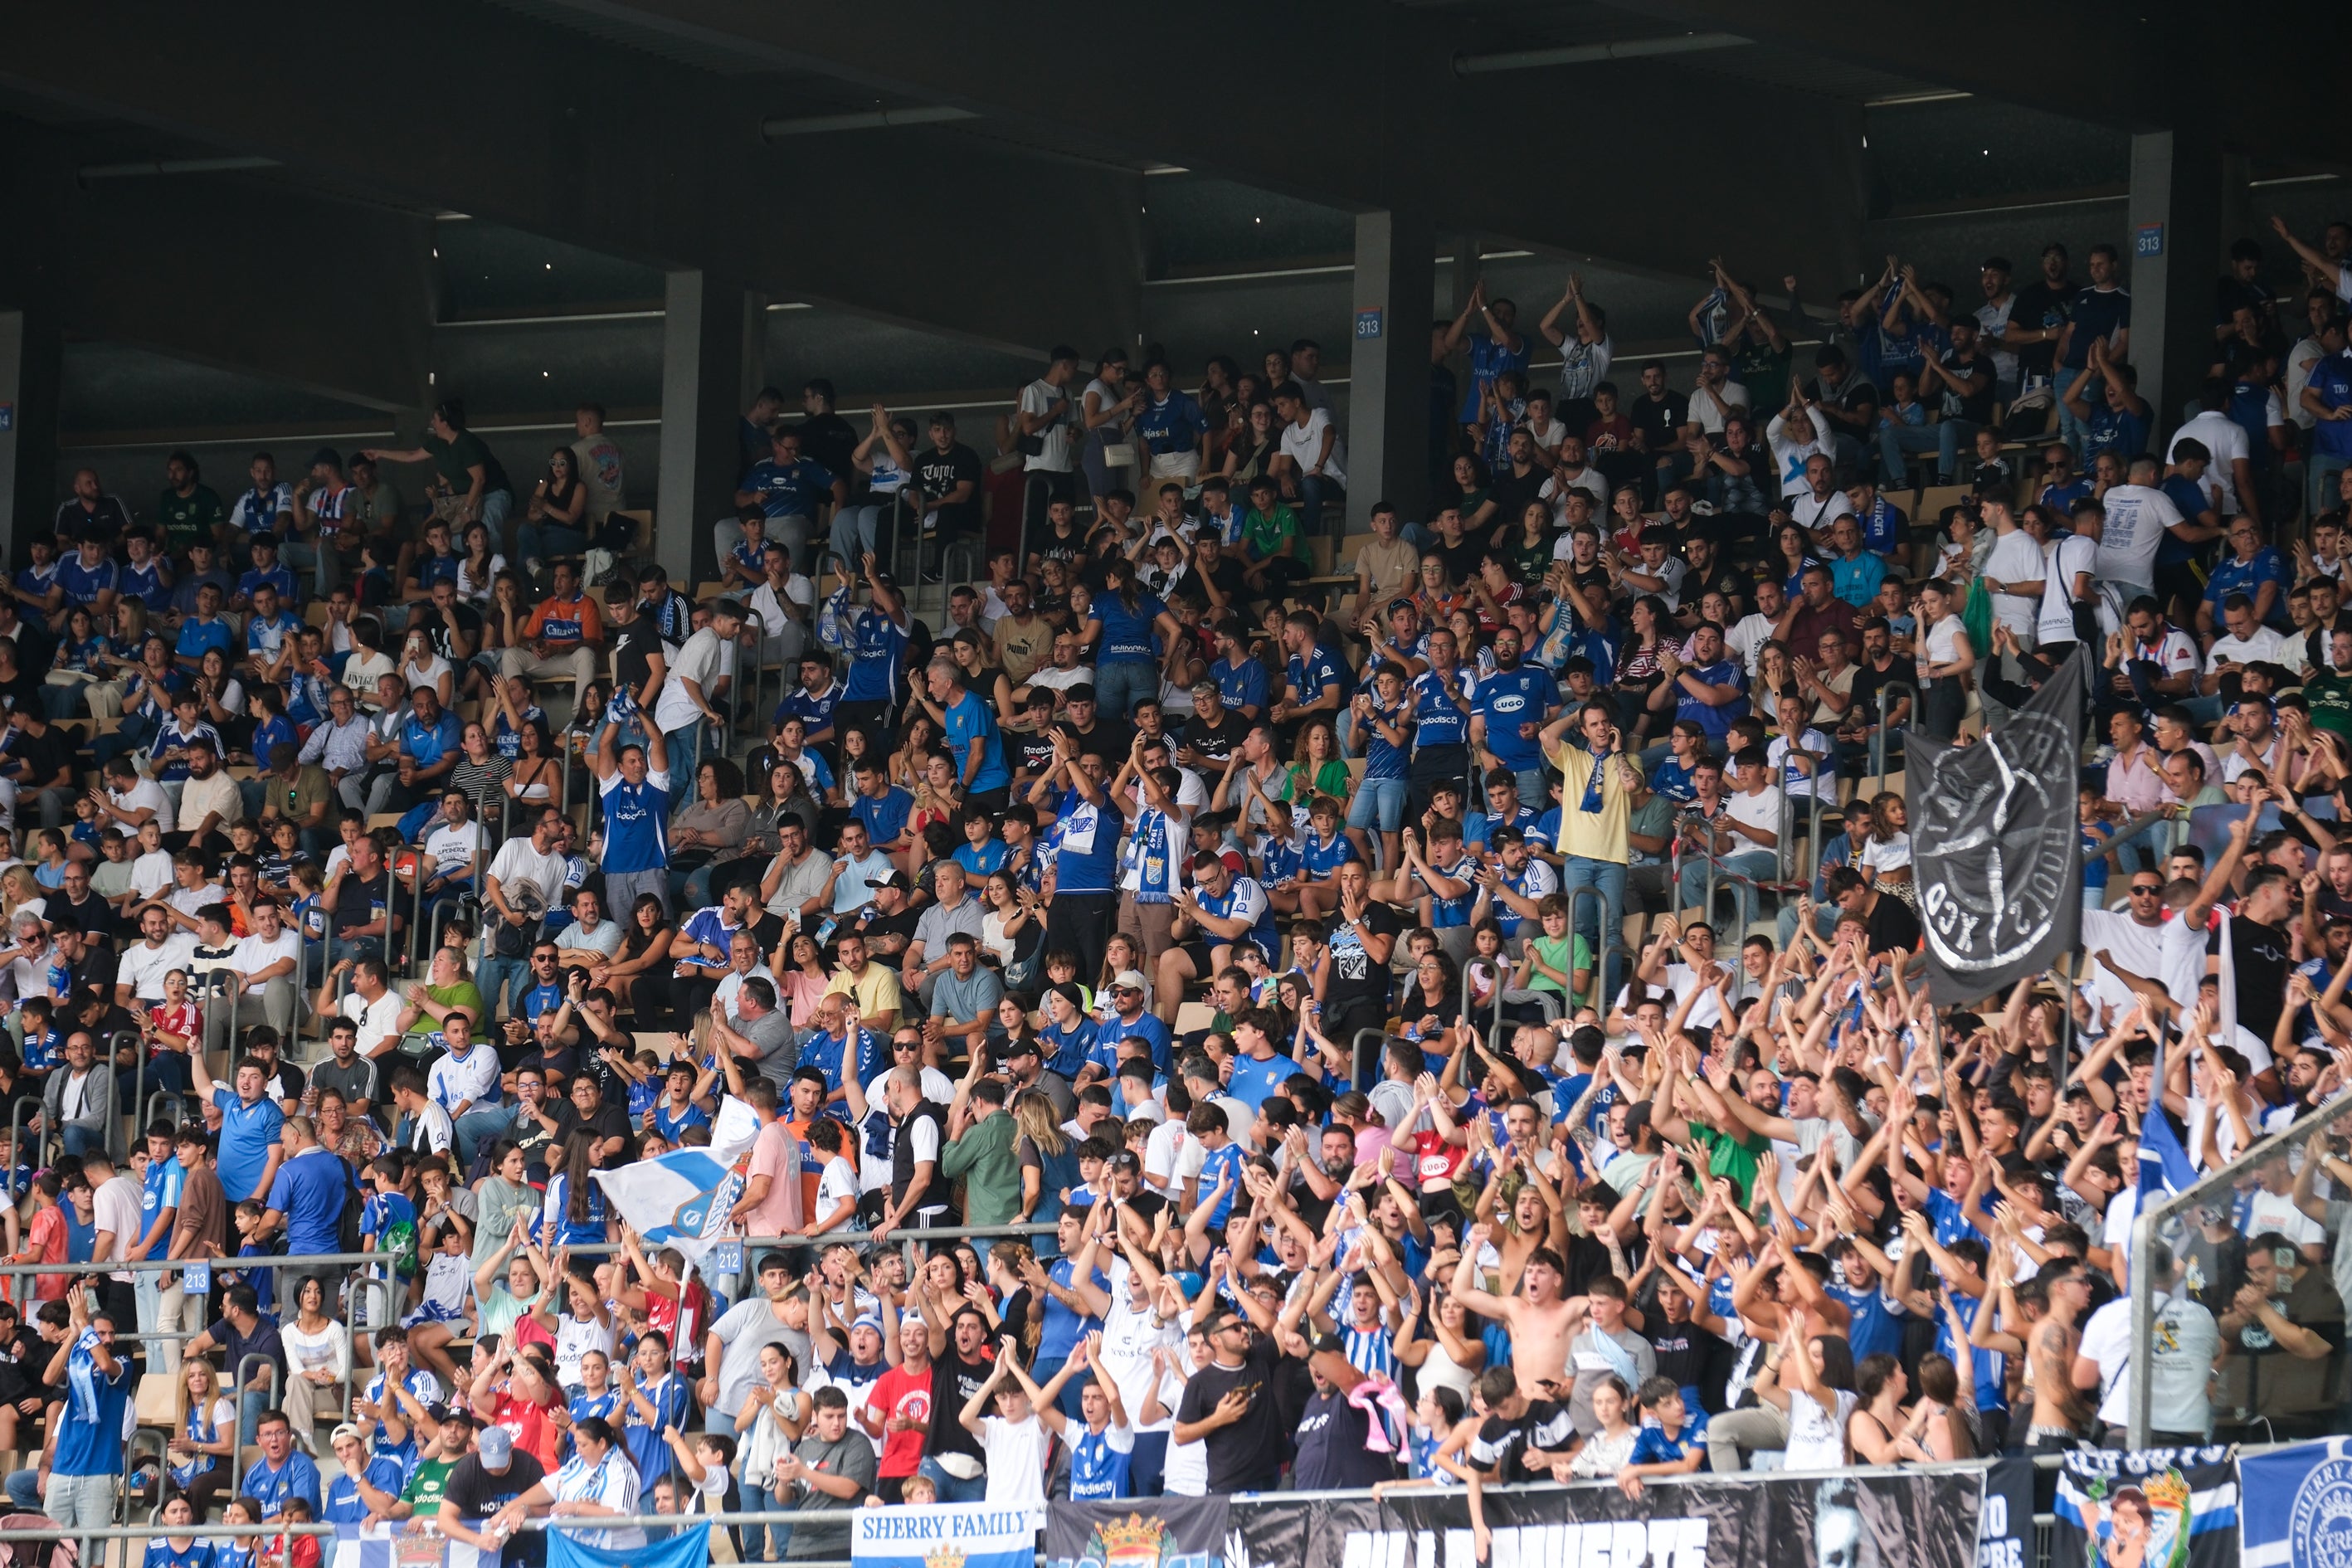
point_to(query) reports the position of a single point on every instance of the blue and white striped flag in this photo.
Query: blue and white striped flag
(681, 1199)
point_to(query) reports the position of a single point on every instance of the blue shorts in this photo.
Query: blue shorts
(1380, 799)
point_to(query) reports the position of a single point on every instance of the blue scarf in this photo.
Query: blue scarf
(1591, 805)
(1149, 854)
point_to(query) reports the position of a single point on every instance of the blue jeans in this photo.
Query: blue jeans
(250, 1405)
(65, 702)
(1943, 438)
(80, 1141)
(496, 506)
(2071, 430)
(477, 1127)
(25, 1490)
(538, 541)
(685, 759)
(497, 978)
(953, 1489)
(1608, 878)
(1378, 802)
(854, 531)
(1533, 787)
(760, 1499)
(1756, 865)
(1313, 491)
(1120, 685)
(339, 947)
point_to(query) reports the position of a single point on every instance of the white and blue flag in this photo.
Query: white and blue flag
(681, 1198)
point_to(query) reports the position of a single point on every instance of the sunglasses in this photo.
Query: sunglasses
(2138, 889)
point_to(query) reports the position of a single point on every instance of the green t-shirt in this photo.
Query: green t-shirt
(425, 1485)
(1528, 563)
(466, 994)
(193, 516)
(1267, 537)
(454, 459)
(2330, 696)
(983, 1159)
(1733, 1157)
(1566, 953)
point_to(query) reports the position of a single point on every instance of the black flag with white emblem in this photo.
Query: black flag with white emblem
(1994, 832)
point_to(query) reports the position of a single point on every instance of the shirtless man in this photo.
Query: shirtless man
(1541, 1322)
(2050, 1347)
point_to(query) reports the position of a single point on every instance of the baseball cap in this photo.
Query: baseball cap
(868, 1321)
(343, 1431)
(887, 880)
(1128, 980)
(495, 1447)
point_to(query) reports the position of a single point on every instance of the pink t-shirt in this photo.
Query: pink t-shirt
(777, 1156)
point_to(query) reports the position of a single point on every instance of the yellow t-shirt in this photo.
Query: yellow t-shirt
(875, 987)
(1593, 836)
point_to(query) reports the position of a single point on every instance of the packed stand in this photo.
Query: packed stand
(1431, 1008)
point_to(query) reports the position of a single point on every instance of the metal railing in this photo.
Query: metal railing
(2145, 1225)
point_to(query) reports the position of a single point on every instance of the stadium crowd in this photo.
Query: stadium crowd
(1441, 1011)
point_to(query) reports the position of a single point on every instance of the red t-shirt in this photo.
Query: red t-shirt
(1434, 1160)
(663, 1313)
(532, 1431)
(898, 1392)
(46, 1243)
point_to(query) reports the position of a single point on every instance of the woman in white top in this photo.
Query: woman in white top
(599, 1479)
(1605, 1451)
(368, 665)
(771, 1419)
(1815, 1383)
(480, 567)
(1451, 1357)
(318, 1360)
(420, 666)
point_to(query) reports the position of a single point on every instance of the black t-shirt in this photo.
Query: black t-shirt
(1107, 739)
(1354, 976)
(94, 914)
(1511, 493)
(1736, 586)
(1497, 1448)
(356, 900)
(1245, 1456)
(1868, 680)
(1031, 751)
(1461, 559)
(1892, 926)
(42, 755)
(609, 1121)
(1659, 419)
(1227, 577)
(938, 472)
(2036, 307)
(1215, 741)
(1334, 1448)
(2260, 955)
(953, 1383)
(633, 646)
(1689, 1354)
(1854, 396)
(478, 1494)
(428, 619)
(831, 440)
(1975, 407)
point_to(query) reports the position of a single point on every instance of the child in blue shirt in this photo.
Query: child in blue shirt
(2097, 832)
(982, 852)
(1669, 1443)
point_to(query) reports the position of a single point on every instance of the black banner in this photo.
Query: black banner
(1875, 1520)
(1151, 1532)
(1999, 854)
(2005, 1524)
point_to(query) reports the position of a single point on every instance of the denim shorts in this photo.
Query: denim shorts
(1380, 799)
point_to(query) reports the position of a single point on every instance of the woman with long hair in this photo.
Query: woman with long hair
(1650, 631)
(803, 979)
(538, 771)
(1106, 411)
(789, 799)
(938, 798)
(1813, 1381)
(1316, 765)
(1049, 1160)
(856, 744)
(1471, 493)
(575, 1213)
(421, 665)
(917, 741)
(1118, 635)
(198, 1457)
(318, 1359)
(640, 970)
(552, 519)
(1454, 1352)
(479, 564)
(707, 832)
(1256, 441)
(985, 680)
(1012, 928)
(1885, 860)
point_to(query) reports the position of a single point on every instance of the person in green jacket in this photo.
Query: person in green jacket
(979, 1151)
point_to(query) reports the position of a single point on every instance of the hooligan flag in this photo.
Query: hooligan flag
(1993, 830)
(681, 1198)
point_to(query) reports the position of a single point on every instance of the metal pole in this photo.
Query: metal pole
(1606, 942)
(276, 1397)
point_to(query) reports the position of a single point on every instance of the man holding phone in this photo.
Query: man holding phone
(1229, 1405)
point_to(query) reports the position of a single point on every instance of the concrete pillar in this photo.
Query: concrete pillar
(32, 368)
(1388, 393)
(714, 333)
(2172, 252)
(1464, 273)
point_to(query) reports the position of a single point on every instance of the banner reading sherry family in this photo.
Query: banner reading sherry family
(1873, 1520)
(1994, 828)
(946, 1535)
(2153, 1508)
